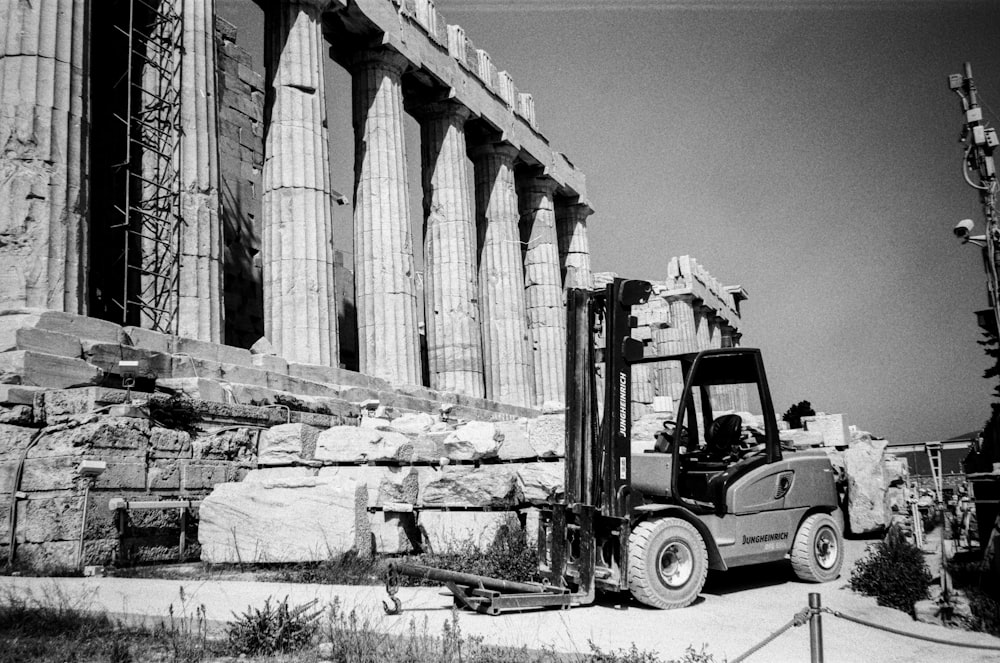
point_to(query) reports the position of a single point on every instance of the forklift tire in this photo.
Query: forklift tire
(818, 551)
(667, 563)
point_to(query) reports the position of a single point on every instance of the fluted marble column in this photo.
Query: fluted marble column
(723, 393)
(574, 247)
(388, 342)
(43, 257)
(702, 317)
(506, 356)
(200, 293)
(543, 288)
(300, 306)
(451, 282)
(683, 338)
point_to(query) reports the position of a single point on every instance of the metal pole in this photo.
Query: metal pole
(815, 629)
(83, 524)
(183, 541)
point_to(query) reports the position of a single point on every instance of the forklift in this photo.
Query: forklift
(713, 492)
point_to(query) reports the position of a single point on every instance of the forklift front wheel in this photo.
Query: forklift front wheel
(818, 551)
(667, 563)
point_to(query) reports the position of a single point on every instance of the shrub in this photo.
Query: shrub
(968, 574)
(894, 572)
(274, 629)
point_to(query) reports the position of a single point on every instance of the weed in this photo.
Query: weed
(346, 569)
(273, 630)
(188, 632)
(176, 411)
(634, 655)
(351, 639)
(893, 571)
(54, 628)
(508, 556)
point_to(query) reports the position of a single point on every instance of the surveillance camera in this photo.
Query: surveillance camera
(963, 228)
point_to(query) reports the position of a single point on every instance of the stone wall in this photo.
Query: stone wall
(241, 158)
(58, 374)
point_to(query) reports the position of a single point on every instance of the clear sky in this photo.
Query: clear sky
(807, 150)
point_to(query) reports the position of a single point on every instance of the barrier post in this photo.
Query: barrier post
(815, 629)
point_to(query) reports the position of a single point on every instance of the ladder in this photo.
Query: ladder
(934, 458)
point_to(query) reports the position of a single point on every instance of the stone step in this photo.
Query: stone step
(65, 350)
(39, 369)
(59, 405)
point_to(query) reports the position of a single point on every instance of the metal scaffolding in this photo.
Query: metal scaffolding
(148, 213)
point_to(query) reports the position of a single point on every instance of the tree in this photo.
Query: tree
(794, 414)
(992, 346)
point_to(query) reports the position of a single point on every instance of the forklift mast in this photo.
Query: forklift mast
(598, 458)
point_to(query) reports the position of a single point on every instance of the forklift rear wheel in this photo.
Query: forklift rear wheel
(667, 563)
(818, 551)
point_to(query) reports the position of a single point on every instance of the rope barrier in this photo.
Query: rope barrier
(889, 629)
(803, 616)
(799, 619)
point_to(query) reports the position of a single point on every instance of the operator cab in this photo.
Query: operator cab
(722, 428)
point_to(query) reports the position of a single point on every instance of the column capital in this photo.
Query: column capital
(318, 6)
(382, 57)
(505, 151)
(576, 211)
(445, 110)
(685, 297)
(538, 184)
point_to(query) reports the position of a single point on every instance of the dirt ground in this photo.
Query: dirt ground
(737, 610)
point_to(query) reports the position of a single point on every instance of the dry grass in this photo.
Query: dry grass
(51, 629)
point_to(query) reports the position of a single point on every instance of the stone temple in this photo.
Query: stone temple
(175, 316)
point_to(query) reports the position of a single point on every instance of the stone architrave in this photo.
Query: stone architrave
(543, 288)
(300, 305)
(506, 353)
(200, 296)
(574, 247)
(386, 292)
(43, 69)
(451, 282)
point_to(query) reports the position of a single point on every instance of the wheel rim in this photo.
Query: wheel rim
(676, 564)
(825, 548)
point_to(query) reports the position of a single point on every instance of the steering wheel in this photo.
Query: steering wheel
(665, 439)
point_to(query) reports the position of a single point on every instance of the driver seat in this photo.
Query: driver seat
(724, 435)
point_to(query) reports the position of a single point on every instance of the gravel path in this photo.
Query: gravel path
(737, 609)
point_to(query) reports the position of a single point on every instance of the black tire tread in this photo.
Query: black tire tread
(801, 554)
(639, 579)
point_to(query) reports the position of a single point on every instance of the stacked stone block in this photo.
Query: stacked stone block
(412, 482)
